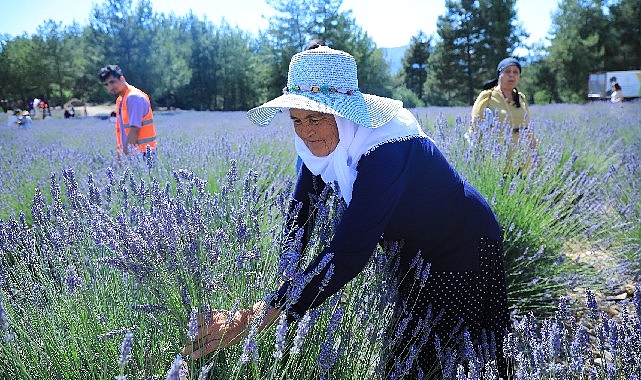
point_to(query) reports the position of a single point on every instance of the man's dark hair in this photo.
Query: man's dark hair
(110, 71)
(316, 42)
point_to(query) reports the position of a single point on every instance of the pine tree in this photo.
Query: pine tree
(626, 35)
(577, 46)
(473, 37)
(415, 63)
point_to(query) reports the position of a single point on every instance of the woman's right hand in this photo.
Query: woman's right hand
(217, 330)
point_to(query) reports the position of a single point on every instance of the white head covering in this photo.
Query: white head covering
(354, 142)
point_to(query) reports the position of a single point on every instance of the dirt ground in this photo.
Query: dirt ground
(104, 109)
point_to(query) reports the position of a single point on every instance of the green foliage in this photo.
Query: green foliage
(577, 47)
(181, 62)
(473, 37)
(626, 35)
(539, 77)
(408, 97)
(415, 63)
(190, 63)
(542, 97)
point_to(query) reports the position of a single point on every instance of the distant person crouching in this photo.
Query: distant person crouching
(14, 119)
(25, 120)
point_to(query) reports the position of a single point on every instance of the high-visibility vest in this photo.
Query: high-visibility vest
(147, 134)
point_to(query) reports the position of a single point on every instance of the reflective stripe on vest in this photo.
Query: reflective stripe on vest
(147, 133)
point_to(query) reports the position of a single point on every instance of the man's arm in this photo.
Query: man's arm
(132, 137)
(137, 107)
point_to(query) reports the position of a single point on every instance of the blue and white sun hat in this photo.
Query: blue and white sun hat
(325, 80)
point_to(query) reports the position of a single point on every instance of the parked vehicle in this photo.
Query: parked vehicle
(600, 84)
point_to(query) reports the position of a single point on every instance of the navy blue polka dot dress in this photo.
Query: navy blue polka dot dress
(407, 193)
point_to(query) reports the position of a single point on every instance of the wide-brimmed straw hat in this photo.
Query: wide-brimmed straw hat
(325, 80)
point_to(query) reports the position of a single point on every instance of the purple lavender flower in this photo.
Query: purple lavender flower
(637, 301)
(592, 304)
(301, 331)
(329, 353)
(450, 362)
(73, 280)
(327, 278)
(425, 274)
(551, 336)
(301, 280)
(281, 332)
(38, 208)
(411, 359)
(232, 175)
(94, 192)
(55, 187)
(149, 157)
(250, 348)
(417, 264)
(204, 371)
(184, 295)
(192, 326)
(563, 312)
(613, 337)
(110, 176)
(149, 308)
(437, 348)
(400, 330)
(7, 335)
(69, 176)
(125, 349)
(290, 256)
(176, 367)
(467, 348)
(579, 350)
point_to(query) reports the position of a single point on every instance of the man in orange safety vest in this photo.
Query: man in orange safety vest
(134, 117)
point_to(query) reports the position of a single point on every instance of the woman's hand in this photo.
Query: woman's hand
(217, 330)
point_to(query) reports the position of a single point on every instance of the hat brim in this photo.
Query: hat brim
(370, 111)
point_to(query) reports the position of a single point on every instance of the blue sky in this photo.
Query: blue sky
(389, 23)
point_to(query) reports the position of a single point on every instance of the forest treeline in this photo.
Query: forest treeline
(192, 63)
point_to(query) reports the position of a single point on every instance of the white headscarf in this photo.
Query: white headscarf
(355, 141)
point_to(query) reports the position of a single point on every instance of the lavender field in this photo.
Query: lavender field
(104, 263)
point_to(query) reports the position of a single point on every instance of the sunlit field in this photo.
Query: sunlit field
(103, 263)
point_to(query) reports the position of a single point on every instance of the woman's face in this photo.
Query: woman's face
(509, 78)
(318, 130)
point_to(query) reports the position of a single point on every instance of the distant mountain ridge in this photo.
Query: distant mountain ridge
(394, 57)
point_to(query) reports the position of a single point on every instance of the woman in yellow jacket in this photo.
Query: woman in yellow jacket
(500, 104)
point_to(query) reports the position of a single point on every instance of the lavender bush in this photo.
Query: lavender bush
(103, 263)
